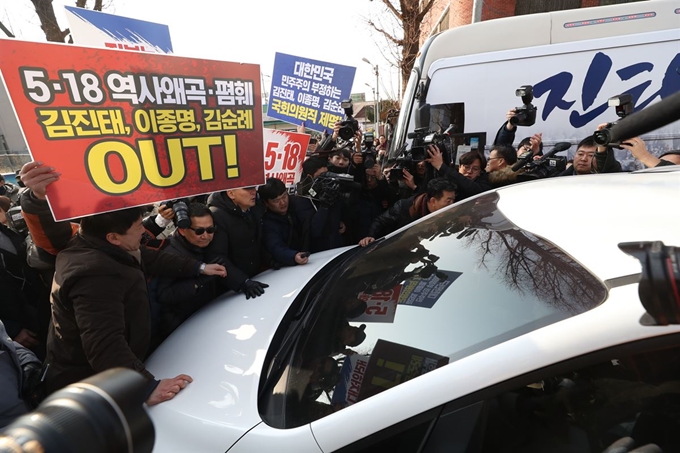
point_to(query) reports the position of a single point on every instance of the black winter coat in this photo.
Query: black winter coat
(400, 214)
(100, 308)
(238, 240)
(287, 235)
(179, 298)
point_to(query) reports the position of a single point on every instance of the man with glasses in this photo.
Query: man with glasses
(179, 298)
(498, 170)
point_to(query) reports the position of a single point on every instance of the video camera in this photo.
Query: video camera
(15, 220)
(545, 167)
(368, 151)
(623, 104)
(350, 126)
(421, 139)
(181, 209)
(525, 115)
(329, 187)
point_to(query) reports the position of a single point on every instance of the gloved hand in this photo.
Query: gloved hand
(253, 289)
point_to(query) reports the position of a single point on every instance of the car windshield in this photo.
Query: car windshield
(458, 282)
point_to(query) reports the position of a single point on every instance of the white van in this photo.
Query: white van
(575, 60)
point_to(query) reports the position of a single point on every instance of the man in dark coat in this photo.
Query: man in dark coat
(286, 232)
(238, 217)
(179, 298)
(441, 192)
(100, 302)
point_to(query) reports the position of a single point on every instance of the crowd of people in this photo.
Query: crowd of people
(82, 297)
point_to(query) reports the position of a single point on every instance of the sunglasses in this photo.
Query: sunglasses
(200, 231)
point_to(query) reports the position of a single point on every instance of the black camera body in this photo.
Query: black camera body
(181, 209)
(350, 126)
(15, 220)
(329, 187)
(422, 138)
(623, 105)
(525, 115)
(547, 166)
(368, 151)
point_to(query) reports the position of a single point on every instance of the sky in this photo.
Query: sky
(251, 31)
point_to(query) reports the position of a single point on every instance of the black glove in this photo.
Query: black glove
(253, 289)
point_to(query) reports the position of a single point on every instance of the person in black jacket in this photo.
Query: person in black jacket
(590, 158)
(286, 233)
(179, 298)
(238, 245)
(441, 192)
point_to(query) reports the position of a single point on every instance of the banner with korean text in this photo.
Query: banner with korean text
(98, 29)
(309, 91)
(284, 153)
(126, 128)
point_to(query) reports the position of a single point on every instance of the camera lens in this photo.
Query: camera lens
(181, 214)
(103, 413)
(602, 137)
(346, 133)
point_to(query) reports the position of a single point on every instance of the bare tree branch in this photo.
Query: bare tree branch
(81, 3)
(398, 42)
(98, 5)
(392, 9)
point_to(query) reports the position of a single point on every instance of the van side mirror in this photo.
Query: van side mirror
(422, 119)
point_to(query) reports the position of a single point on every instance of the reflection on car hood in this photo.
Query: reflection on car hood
(222, 347)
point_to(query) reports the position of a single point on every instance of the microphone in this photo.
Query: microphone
(558, 148)
(522, 160)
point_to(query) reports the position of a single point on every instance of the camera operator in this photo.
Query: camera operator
(324, 205)
(179, 298)
(286, 224)
(238, 217)
(471, 177)
(499, 170)
(338, 160)
(441, 192)
(590, 158)
(375, 197)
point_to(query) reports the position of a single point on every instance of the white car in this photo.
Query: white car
(507, 322)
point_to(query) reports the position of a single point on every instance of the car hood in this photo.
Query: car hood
(223, 347)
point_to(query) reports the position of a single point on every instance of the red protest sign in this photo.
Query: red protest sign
(284, 153)
(126, 129)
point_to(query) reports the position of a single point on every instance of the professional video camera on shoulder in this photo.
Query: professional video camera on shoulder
(545, 167)
(525, 115)
(623, 105)
(330, 187)
(421, 138)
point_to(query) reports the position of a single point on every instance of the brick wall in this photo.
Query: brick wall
(495, 9)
